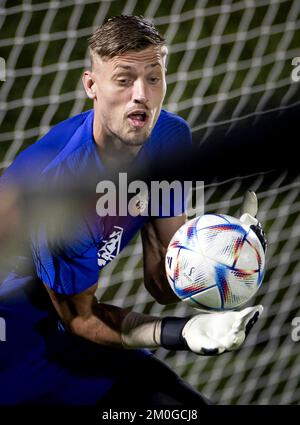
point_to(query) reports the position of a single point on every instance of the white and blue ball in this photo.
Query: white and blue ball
(215, 262)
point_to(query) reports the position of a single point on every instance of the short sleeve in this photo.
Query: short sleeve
(66, 269)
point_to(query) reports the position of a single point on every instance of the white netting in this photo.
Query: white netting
(228, 60)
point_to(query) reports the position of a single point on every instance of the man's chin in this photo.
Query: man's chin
(136, 140)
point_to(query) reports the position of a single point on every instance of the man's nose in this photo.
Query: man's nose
(139, 94)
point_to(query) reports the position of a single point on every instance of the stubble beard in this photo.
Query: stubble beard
(133, 137)
(137, 140)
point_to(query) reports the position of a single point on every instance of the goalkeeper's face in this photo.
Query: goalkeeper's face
(128, 90)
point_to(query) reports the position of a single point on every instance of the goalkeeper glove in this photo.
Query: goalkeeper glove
(249, 210)
(211, 333)
(204, 334)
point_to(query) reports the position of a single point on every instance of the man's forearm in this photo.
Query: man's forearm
(103, 325)
(204, 334)
(158, 286)
(114, 326)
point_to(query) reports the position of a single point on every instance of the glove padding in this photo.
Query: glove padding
(248, 216)
(214, 333)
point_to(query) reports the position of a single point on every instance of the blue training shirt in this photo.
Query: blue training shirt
(37, 353)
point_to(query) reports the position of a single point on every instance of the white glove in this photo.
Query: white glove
(205, 334)
(215, 333)
(249, 208)
(248, 216)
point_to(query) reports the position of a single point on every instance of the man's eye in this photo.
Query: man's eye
(154, 80)
(123, 81)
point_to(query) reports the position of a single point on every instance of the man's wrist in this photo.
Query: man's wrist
(171, 333)
(140, 331)
(143, 331)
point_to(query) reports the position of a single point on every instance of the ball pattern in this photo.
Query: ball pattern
(215, 262)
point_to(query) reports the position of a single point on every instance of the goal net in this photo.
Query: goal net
(228, 61)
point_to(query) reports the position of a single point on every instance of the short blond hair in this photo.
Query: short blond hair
(124, 33)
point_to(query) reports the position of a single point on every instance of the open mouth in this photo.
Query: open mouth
(138, 119)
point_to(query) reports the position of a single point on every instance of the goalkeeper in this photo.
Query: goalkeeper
(63, 347)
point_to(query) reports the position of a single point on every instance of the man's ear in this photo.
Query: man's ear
(89, 84)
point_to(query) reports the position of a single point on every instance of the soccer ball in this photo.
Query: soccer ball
(215, 262)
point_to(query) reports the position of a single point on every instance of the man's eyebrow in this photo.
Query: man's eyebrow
(123, 66)
(128, 67)
(152, 65)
